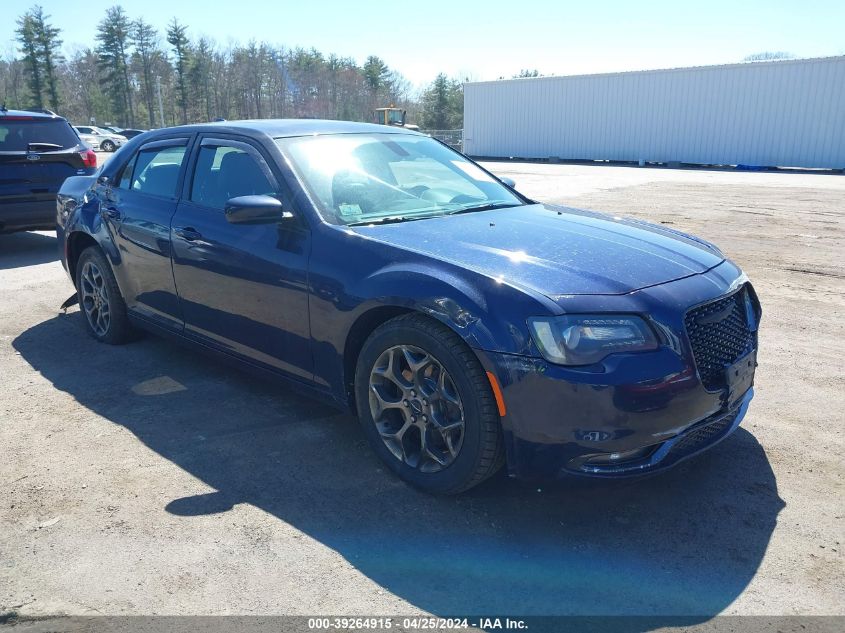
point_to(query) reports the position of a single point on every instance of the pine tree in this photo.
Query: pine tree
(49, 52)
(442, 105)
(177, 38)
(143, 37)
(199, 77)
(376, 75)
(27, 37)
(113, 51)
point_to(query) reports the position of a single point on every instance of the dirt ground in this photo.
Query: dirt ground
(147, 479)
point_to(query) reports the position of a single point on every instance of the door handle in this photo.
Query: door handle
(189, 234)
(112, 212)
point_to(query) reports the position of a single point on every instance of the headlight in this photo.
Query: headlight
(584, 339)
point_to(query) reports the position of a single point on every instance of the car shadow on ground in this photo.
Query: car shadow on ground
(686, 543)
(27, 249)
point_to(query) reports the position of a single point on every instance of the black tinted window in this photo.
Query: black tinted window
(227, 172)
(157, 170)
(16, 136)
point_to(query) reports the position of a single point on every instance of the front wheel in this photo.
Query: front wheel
(108, 146)
(427, 407)
(101, 303)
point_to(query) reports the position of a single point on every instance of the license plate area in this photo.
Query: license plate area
(739, 377)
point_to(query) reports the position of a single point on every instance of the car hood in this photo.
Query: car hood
(553, 250)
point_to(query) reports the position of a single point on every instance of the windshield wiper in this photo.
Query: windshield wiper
(487, 206)
(42, 147)
(390, 219)
(393, 219)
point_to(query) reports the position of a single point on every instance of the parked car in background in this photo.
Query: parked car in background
(109, 141)
(124, 132)
(131, 133)
(93, 141)
(466, 325)
(37, 152)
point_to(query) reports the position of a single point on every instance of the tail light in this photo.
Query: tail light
(89, 158)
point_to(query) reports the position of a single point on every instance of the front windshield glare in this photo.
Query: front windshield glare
(363, 178)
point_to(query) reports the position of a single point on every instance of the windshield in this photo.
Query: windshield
(364, 178)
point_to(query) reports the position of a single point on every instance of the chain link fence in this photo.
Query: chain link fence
(452, 138)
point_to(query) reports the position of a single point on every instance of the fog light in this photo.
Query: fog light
(622, 457)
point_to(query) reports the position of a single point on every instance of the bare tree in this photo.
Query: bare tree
(11, 82)
(767, 56)
(83, 95)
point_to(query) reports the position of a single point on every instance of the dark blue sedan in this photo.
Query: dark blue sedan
(466, 325)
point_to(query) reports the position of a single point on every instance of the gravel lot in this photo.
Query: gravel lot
(149, 479)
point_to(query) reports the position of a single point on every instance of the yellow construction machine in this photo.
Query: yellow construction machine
(393, 116)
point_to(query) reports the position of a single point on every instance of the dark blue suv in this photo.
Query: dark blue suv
(38, 150)
(466, 325)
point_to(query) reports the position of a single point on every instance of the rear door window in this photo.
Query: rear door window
(156, 170)
(36, 135)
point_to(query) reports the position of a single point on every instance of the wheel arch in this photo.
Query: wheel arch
(362, 327)
(374, 317)
(484, 313)
(77, 242)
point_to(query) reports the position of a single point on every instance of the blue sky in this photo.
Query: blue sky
(484, 40)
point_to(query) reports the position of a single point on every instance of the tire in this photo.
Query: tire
(100, 302)
(449, 383)
(108, 146)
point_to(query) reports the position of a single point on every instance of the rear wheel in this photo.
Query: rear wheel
(426, 406)
(108, 146)
(100, 301)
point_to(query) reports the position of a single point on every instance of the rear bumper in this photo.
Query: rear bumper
(36, 215)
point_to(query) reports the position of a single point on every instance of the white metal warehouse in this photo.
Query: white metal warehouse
(783, 113)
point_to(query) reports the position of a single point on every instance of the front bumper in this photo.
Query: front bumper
(695, 439)
(638, 413)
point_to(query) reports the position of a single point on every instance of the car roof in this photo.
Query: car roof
(30, 114)
(277, 128)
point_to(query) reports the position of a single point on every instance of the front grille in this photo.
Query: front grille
(701, 437)
(720, 334)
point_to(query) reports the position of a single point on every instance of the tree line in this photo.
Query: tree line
(136, 76)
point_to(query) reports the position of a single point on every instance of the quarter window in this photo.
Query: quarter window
(226, 171)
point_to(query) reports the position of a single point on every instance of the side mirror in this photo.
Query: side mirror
(507, 181)
(103, 180)
(255, 210)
